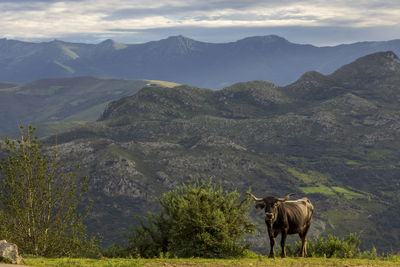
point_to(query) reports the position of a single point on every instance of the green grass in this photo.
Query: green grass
(260, 261)
(331, 191)
(347, 193)
(353, 163)
(309, 177)
(162, 83)
(301, 176)
(321, 189)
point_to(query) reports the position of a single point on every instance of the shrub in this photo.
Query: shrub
(114, 251)
(198, 219)
(330, 247)
(333, 246)
(369, 254)
(151, 238)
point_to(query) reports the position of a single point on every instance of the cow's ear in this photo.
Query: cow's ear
(260, 206)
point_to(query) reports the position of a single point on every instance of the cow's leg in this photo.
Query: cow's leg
(303, 237)
(271, 241)
(303, 244)
(283, 240)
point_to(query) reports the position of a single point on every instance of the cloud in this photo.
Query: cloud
(30, 19)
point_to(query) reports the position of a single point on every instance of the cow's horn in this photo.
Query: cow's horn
(254, 197)
(285, 198)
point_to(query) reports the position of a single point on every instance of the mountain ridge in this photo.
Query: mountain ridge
(180, 59)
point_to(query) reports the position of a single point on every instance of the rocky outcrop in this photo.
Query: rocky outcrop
(9, 253)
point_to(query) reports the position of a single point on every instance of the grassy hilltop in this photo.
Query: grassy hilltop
(332, 138)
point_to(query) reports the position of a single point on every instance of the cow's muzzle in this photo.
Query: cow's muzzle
(269, 216)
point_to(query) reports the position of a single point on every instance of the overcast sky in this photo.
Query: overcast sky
(318, 22)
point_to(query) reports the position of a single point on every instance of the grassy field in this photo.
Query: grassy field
(261, 261)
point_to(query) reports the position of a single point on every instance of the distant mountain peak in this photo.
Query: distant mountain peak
(389, 54)
(111, 44)
(376, 58)
(178, 44)
(180, 39)
(311, 75)
(56, 41)
(265, 39)
(180, 36)
(393, 59)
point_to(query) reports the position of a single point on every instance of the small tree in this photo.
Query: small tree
(38, 200)
(198, 219)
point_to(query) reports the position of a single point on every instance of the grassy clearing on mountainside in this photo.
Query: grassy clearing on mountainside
(260, 261)
(334, 191)
(161, 83)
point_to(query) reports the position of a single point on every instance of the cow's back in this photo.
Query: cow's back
(298, 214)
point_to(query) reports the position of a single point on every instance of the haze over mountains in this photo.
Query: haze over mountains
(335, 139)
(180, 59)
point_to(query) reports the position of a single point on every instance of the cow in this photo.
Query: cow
(286, 217)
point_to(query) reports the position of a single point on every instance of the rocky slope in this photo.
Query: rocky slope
(334, 139)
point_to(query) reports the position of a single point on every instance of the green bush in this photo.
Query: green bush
(369, 254)
(114, 251)
(151, 238)
(333, 246)
(198, 219)
(329, 247)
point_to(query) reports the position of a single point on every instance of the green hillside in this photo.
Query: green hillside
(334, 139)
(62, 103)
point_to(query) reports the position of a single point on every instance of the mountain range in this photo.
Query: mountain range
(180, 59)
(333, 138)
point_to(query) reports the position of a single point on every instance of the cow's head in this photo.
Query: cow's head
(269, 205)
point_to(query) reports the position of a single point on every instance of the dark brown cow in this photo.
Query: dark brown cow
(286, 217)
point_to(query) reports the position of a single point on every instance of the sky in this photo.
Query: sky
(318, 22)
